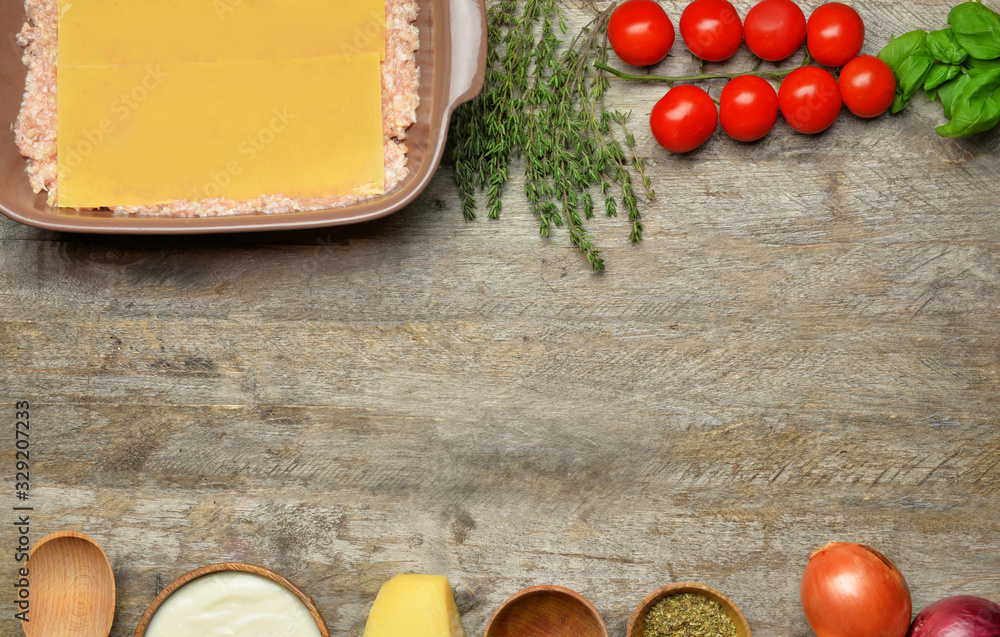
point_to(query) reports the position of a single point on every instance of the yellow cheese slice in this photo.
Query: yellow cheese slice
(173, 31)
(133, 135)
(414, 606)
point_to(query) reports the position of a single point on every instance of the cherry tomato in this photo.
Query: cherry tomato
(835, 34)
(809, 99)
(867, 86)
(711, 29)
(748, 108)
(640, 32)
(684, 118)
(774, 29)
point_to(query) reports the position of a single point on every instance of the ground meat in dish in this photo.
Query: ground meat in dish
(35, 129)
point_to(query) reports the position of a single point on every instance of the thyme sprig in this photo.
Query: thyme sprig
(543, 101)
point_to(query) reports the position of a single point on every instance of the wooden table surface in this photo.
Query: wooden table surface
(804, 348)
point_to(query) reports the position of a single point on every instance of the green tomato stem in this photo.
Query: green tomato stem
(700, 76)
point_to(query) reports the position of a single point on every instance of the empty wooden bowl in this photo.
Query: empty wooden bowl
(637, 623)
(72, 588)
(546, 611)
(147, 616)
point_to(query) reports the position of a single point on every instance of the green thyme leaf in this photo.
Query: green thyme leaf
(543, 102)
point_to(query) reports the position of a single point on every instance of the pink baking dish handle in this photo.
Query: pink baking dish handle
(468, 50)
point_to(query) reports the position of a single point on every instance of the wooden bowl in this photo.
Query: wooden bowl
(637, 623)
(546, 611)
(72, 588)
(147, 617)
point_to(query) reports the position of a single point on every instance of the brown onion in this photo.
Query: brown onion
(851, 590)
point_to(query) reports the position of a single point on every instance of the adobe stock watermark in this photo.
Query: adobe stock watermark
(322, 253)
(364, 35)
(22, 509)
(712, 33)
(123, 107)
(224, 7)
(817, 101)
(247, 152)
(14, 38)
(287, 629)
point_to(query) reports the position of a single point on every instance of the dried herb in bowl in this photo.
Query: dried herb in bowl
(688, 615)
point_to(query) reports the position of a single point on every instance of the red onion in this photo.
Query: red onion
(959, 616)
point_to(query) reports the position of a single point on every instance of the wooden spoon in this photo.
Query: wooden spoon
(72, 588)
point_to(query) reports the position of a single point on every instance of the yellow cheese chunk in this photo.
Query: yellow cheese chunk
(133, 135)
(414, 606)
(96, 32)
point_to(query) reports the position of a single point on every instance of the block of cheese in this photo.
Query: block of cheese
(414, 606)
(97, 32)
(135, 135)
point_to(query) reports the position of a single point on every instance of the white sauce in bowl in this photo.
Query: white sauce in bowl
(232, 604)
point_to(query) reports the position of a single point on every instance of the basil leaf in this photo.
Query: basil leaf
(976, 108)
(948, 91)
(912, 73)
(910, 59)
(939, 74)
(977, 30)
(946, 87)
(903, 47)
(978, 66)
(945, 48)
(898, 104)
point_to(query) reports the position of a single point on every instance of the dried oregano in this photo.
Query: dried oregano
(688, 615)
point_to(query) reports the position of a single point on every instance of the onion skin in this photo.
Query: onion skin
(959, 616)
(851, 590)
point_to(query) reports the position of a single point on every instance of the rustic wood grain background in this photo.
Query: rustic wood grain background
(803, 349)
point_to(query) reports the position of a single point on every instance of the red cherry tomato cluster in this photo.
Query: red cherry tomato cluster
(809, 98)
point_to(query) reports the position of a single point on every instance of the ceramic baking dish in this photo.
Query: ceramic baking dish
(452, 60)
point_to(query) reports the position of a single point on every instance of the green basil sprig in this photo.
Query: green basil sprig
(977, 30)
(959, 65)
